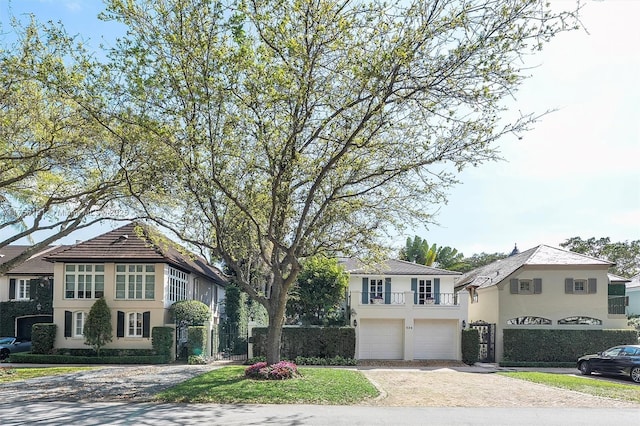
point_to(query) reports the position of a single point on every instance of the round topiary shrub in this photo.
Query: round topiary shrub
(280, 371)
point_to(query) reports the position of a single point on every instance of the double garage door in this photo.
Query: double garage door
(384, 339)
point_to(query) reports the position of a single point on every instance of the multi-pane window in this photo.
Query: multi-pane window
(579, 286)
(135, 281)
(177, 285)
(525, 286)
(425, 292)
(78, 323)
(83, 281)
(23, 289)
(375, 289)
(134, 324)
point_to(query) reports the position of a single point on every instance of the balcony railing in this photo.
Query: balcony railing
(402, 298)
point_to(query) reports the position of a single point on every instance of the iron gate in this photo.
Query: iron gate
(487, 333)
(229, 341)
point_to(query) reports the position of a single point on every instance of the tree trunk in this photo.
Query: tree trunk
(274, 338)
(276, 309)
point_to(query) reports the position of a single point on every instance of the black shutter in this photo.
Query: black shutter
(537, 285)
(568, 285)
(120, 326)
(592, 285)
(68, 323)
(12, 289)
(146, 320)
(514, 286)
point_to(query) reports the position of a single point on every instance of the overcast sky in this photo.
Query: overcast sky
(577, 173)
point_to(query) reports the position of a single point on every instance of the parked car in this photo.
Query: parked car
(10, 345)
(623, 360)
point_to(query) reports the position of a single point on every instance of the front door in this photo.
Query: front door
(487, 333)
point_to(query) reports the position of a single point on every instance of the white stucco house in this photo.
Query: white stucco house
(405, 311)
(633, 295)
(543, 288)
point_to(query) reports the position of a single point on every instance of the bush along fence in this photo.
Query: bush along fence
(309, 342)
(43, 351)
(559, 346)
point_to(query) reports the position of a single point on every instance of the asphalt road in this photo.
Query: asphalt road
(116, 413)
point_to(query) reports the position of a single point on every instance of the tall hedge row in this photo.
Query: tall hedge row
(321, 342)
(560, 345)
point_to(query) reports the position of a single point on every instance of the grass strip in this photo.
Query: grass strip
(228, 385)
(620, 391)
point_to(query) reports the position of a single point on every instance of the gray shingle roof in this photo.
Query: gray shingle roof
(542, 255)
(132, 243)
(391, 267)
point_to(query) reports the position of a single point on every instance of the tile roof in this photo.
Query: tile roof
(35, 265)
(132, 243)
(542, 255)
(391, 267)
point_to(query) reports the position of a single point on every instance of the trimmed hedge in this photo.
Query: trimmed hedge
(43, 337)
(560, 346)
(309, 342)
(162, 340)
(29, 358)
(470, 346)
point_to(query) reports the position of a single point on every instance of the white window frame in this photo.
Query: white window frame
(178, 285)
(583, 282)
(425, 291)
(134, 324)
(23, 288)
(83, 278)
(525, 286)
(79, 320)
(376, 288)
(135, 281)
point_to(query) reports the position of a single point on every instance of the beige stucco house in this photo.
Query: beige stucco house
(402, 310)
(139, 277)
(543, 287)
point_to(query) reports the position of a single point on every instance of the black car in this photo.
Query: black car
(623, 360)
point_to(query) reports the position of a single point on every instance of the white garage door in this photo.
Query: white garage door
(435, 339)
(381, 339)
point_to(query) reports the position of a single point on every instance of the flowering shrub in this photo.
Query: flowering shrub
(280, 371)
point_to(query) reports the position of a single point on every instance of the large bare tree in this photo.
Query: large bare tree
(292, 128)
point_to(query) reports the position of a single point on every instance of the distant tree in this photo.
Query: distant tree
(317, 296)
(417, 250)
(625, 255)
(477, 260)
(448, 258)
(97, 328)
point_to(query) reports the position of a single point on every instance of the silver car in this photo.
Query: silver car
(9, 345)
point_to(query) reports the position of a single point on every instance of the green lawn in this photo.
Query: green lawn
(316, 386)
(622, 391)
(11, 374)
